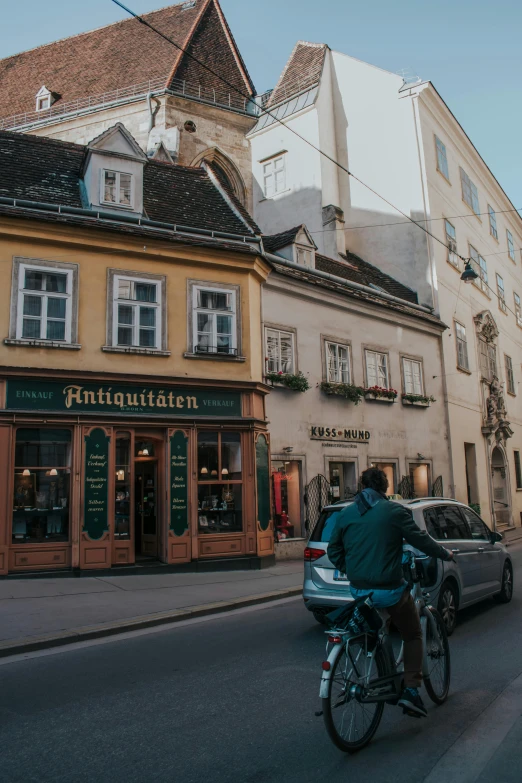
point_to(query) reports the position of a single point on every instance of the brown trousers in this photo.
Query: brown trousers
(406, 619)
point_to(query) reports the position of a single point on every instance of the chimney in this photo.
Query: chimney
(333, 237)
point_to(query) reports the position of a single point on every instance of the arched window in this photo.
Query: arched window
(225, 170)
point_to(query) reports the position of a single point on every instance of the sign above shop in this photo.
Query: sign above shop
(107, 398)
(340, 434)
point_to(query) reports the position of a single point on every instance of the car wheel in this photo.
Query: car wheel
(506, 593)
(447, 606)
(319, 617)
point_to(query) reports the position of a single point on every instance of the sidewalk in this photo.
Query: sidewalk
(38, 613)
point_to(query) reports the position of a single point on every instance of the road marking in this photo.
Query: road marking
(468, 756)
(145, 631)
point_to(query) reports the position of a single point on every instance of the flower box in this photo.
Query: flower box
(348, 391)
(379, 394)
(295, 382)
(417, 400)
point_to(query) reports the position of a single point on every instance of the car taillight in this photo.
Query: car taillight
(313, 554)
(335, 639)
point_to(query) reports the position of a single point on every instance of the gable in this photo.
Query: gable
(117, 139)
(213, 45)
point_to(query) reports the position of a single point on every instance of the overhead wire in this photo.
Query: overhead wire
(313, 146)
(280, 121)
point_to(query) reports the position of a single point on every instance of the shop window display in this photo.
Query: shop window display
(220, 508)
(41, 486)
(122, 496)
(286, 496)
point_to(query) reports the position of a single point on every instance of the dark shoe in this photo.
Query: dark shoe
(412, 703)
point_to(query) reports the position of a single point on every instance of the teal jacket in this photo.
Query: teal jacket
(367, 546)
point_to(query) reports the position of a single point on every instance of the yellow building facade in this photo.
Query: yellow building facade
(132, 418)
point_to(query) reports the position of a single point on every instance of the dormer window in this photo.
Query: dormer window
(116, 188)
(44, 99)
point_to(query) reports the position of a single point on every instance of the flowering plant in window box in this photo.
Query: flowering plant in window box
(349, 391)
(294, 381)
(381, 394)
(420, 400)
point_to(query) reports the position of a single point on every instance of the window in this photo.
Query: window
(377, 369)
(477, 528)
(462, 346)
(518, 309)
(412, 371)
(44, 304)
(136, 313)
(43, 103)
(286, 498)
(274, 176)
(518, 469)
(116, 188)
(469, 192)
(510, 376)
(445, 523)
(41, 486)
(214, 321)
(123, 487)
(492, 222)
(442, 160)
(220, 488)
(501, 293)
(480, 267)
(488, 359)
(279, 351)
(304, 256)
(337, 363)
(451, 242)
(510, 244)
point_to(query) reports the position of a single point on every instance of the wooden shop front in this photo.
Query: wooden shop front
(99, 473)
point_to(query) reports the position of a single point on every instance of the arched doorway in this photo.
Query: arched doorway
(501, 504)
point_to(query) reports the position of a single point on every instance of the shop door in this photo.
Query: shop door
(500, 492)
(343, 482)
(146, 516)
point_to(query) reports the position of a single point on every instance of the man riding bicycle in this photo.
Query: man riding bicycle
(367, 545)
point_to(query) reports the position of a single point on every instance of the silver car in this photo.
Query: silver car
(482, 569)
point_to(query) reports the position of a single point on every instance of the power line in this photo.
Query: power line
(274, 117)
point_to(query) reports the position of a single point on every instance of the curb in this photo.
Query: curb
(89, 632)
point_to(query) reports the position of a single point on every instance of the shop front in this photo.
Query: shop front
(102, 474)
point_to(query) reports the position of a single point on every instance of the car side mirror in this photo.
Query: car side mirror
(496, 537)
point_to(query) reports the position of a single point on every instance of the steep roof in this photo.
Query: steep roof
(359, 271)
(37, 168)
(127, 53)
(302, 71)
(277, 241)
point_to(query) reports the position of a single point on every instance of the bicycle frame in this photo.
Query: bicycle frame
(389, 687)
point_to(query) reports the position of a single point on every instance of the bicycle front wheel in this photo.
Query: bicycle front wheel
(437, 681)
(350, 723)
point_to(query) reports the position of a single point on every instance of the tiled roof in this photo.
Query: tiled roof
(359, 271)
(301, 72)
(41, 169)
(277, 241)
(123, 54)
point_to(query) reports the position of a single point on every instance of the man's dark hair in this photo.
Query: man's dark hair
(374, 478)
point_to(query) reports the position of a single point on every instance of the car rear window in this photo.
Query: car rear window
(325, 525)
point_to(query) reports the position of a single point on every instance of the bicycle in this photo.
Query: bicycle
(361, 673)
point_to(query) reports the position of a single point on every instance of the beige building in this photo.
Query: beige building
(343, 328)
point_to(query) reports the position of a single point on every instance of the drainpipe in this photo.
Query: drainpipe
(152, 114)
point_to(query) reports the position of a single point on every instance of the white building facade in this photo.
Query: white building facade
(403, 143)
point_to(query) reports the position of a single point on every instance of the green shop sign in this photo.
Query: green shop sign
(96, 491)
(110, 398)
(178, 484)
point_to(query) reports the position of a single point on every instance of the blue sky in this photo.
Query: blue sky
(470, 49)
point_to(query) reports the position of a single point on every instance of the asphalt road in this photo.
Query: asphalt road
(231, 700)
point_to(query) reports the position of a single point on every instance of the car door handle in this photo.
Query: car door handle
(456, 551)
(481, 549)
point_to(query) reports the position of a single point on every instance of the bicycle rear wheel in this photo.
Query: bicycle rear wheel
(437, 681)
(350, 723)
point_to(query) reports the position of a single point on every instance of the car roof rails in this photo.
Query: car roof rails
(422, 500)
